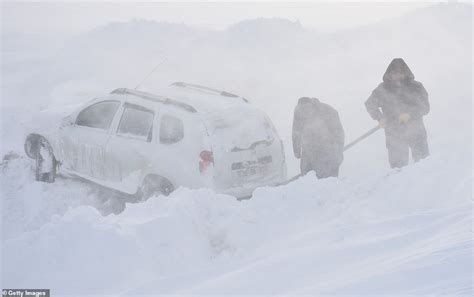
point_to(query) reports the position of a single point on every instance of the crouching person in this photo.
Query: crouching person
(318, 138)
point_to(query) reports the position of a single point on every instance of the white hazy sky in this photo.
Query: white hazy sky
(76, 17)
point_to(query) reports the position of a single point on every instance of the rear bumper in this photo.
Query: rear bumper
(246, 190)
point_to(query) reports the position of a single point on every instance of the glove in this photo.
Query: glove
(404, 118)
(382, 123)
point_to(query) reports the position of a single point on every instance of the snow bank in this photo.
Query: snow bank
(27, 205)
(399, 232)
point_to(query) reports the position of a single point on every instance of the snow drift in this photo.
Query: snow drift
(397, 233)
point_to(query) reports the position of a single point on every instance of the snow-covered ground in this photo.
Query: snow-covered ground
(372, 231)
(400, 232)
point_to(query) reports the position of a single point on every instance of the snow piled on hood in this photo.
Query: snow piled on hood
(400, 232)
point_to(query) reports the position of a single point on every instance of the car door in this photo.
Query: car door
(180, 144)
(130, 148)
(84, 142)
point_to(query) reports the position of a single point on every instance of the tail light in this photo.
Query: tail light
(206, 159)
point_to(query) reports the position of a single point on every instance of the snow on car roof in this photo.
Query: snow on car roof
(194, 98)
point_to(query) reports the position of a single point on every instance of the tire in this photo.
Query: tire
(153, 186)
(45, 162)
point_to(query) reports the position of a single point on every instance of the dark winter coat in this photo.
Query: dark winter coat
(318, 136)
(391, 98)
(400, 93)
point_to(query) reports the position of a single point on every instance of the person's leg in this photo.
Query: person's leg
(320, 172)
(418, 142)
(326, 168)
(334, 170)
(419, 148)
(398, 151)
(305, 165)
(398, 155)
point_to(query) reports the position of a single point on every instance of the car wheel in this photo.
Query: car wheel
(154, 186)
(45, 162)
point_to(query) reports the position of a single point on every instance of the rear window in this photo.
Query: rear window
(240, 130)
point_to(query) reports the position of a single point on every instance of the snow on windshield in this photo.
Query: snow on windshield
(239, 129)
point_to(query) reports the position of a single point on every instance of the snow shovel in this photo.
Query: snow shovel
(346, 147)
(362, 137)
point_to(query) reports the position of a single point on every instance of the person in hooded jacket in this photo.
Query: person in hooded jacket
(399, 104)
(318, 138)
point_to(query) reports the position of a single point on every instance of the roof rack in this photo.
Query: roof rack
(155, 98)
(205, 89)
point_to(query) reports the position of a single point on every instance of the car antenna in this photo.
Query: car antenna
(146, 77)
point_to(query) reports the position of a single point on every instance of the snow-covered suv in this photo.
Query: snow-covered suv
(143, 144)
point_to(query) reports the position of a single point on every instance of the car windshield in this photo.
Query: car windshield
(236, 130)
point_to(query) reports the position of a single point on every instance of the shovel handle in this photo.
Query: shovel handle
(362, 137)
